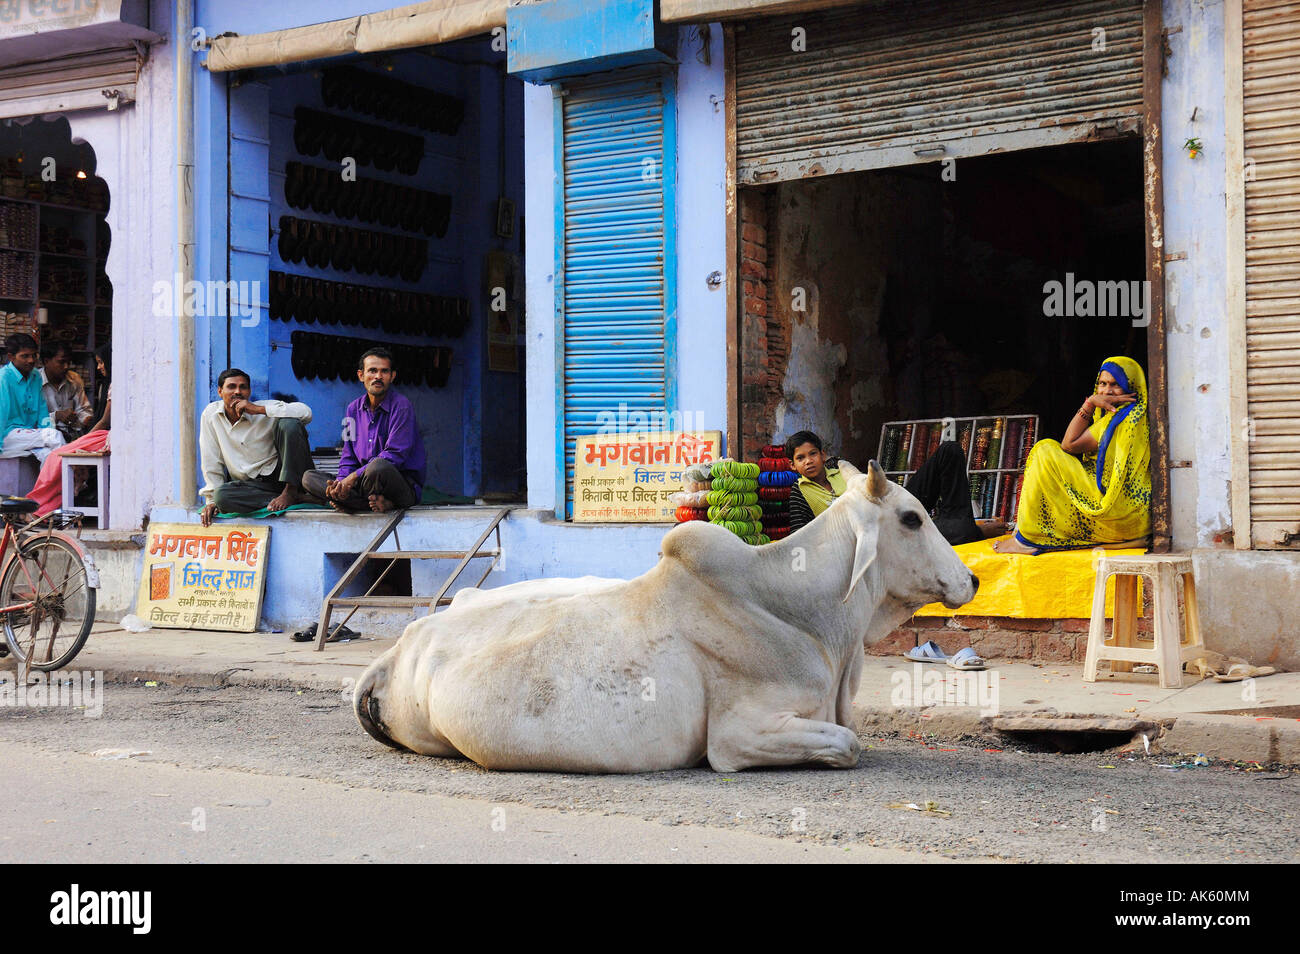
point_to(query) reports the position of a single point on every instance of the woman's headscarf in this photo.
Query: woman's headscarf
(1127, 438)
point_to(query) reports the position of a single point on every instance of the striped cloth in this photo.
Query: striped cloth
(800, 513)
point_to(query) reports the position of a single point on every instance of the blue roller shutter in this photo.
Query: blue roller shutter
(615, 275)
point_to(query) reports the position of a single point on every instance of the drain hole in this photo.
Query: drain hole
(1070, 742)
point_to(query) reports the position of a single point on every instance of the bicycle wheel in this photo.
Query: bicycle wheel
(47, 572)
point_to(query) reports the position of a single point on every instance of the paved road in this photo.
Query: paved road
(250, 774)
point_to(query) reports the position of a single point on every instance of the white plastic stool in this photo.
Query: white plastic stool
(1170, 648)
(97, 460)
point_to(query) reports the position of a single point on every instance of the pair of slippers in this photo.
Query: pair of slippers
(1221, 668)
(963, 659)
(340, 634)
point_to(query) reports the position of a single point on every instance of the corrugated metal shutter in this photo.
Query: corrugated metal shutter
(888, 83)
(615, 248)
(1271, 113)
(69, 83)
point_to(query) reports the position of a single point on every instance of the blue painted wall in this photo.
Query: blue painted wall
(571, 37)
(701, 341)
(308, 552)
(257, 16)
(467, 166)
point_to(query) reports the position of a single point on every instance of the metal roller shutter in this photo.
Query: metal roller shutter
(1271, 115)
(83, 81)
(888, 84)
(616, 216)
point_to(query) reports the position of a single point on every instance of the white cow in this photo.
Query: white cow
(742, 655)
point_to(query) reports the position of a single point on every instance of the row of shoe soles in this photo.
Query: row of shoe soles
(312, 300)
(323, 245)
(346, 87)
(338, 137)
(332, 357)
(370, 200)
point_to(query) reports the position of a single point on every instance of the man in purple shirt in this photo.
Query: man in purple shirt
(382, 467)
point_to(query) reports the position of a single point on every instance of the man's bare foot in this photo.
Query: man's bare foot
(380, 504)
(1011, 545)
(288, 497)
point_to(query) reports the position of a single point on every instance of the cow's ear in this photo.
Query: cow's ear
(848, 470)
(866, 528)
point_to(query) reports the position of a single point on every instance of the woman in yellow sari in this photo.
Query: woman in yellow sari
(1102, 497)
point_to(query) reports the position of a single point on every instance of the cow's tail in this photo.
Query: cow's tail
(366, 705)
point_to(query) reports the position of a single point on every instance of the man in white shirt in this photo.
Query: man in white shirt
(64, 392)
(253, 453)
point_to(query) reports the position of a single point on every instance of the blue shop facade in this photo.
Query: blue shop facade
(761, 215)
(450, 259)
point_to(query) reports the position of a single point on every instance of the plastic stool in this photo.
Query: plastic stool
(1171, 648)
(97, 460)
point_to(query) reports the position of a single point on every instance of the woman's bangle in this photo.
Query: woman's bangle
(1085, 412)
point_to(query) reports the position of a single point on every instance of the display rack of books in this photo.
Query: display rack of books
(996, 449)
(53, 245)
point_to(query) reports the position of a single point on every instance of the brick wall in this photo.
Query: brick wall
(764, 334)
(999, 637)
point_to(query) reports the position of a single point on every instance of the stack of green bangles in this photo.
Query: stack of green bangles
(737, 512)
(733, 500)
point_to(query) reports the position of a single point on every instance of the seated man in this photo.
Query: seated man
(382, 467)
(253, 454)
(24, 417)
(64, 392)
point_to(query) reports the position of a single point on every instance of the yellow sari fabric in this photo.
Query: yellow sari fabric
(1069, 502)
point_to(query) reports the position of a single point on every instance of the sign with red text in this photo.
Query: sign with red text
(628, 478)
(199, 577)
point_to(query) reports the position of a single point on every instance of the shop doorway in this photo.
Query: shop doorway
(931, 290)
(54, 245)
(395, 187)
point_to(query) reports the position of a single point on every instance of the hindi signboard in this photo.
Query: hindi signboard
(203, 577)
(628, 478)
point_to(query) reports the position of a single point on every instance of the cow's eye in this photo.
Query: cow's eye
(912, 520)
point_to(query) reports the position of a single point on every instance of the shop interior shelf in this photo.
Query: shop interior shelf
(988, 504)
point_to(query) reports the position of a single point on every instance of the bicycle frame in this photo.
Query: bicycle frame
(5, 556)
(11, 536)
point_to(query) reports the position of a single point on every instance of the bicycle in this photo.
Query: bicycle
(47, 586)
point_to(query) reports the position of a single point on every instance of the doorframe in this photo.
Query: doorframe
(1153, 71)
(1235, 227)
(731, 230)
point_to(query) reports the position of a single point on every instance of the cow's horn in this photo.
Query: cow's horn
(877, 482)
(848, 470)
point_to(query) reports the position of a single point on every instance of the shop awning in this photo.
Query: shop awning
(419, 24)
(703, 10)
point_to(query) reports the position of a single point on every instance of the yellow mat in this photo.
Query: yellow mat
(1051, 586)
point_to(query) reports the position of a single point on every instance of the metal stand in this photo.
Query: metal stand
(372, 552)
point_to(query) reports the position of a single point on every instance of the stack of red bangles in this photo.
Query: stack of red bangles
(774, 483)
